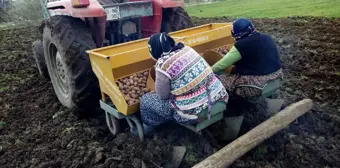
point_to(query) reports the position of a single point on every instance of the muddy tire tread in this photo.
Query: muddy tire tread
(178, 19)
(72, 40)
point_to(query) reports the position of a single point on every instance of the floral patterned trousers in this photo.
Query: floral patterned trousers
(155, 111)
(231, 81)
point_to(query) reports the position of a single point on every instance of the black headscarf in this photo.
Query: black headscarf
(242, 28)
(162, 43)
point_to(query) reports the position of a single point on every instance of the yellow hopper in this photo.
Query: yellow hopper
(114, 62)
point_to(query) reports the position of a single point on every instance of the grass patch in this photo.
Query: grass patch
(10, 78)
(267, 8)
(12, 25)
(3, 89)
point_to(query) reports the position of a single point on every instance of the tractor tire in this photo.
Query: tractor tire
(175, 19)
(65, 40)
(38, 55)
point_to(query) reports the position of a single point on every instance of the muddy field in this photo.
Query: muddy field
(37, 132)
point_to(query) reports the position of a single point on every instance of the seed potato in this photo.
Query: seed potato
(133, 87)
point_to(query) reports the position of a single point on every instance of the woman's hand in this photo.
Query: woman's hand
(224, 52)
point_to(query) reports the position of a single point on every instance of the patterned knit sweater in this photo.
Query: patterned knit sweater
(191, 79)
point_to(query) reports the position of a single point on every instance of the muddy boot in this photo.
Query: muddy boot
(274, 105)
(232, 127)
(147, 130)
(178, 152)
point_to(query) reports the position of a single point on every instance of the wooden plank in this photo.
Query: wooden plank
(227, 155)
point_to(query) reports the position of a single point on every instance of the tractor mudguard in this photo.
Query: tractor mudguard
(172, 3)
(152, 25)
(65, 8)
(96, 10)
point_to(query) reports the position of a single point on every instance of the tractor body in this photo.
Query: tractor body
(114, 23)
(71, 27)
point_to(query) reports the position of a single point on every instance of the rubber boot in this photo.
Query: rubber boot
(147, 130)
(232, 127)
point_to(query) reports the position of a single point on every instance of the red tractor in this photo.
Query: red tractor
(73, 26)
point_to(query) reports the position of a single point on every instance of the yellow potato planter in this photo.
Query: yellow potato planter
(118, 61)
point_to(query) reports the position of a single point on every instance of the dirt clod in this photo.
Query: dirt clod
(99, 157)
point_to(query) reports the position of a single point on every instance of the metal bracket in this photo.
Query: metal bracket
(132, 120)
(206, 123)
(108, 108)
(137, 124)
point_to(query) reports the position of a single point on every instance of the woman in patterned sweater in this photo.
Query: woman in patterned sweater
(185, 85)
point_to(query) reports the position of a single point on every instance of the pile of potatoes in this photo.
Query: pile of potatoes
(222, 50)
(133, 87)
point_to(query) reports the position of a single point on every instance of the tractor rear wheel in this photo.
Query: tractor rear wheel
(65, 40)
(175, 19)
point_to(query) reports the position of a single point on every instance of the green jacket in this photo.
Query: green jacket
(228, 60)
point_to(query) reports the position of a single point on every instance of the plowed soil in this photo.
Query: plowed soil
(36, 131)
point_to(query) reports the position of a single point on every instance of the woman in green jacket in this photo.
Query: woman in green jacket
(256, 59)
